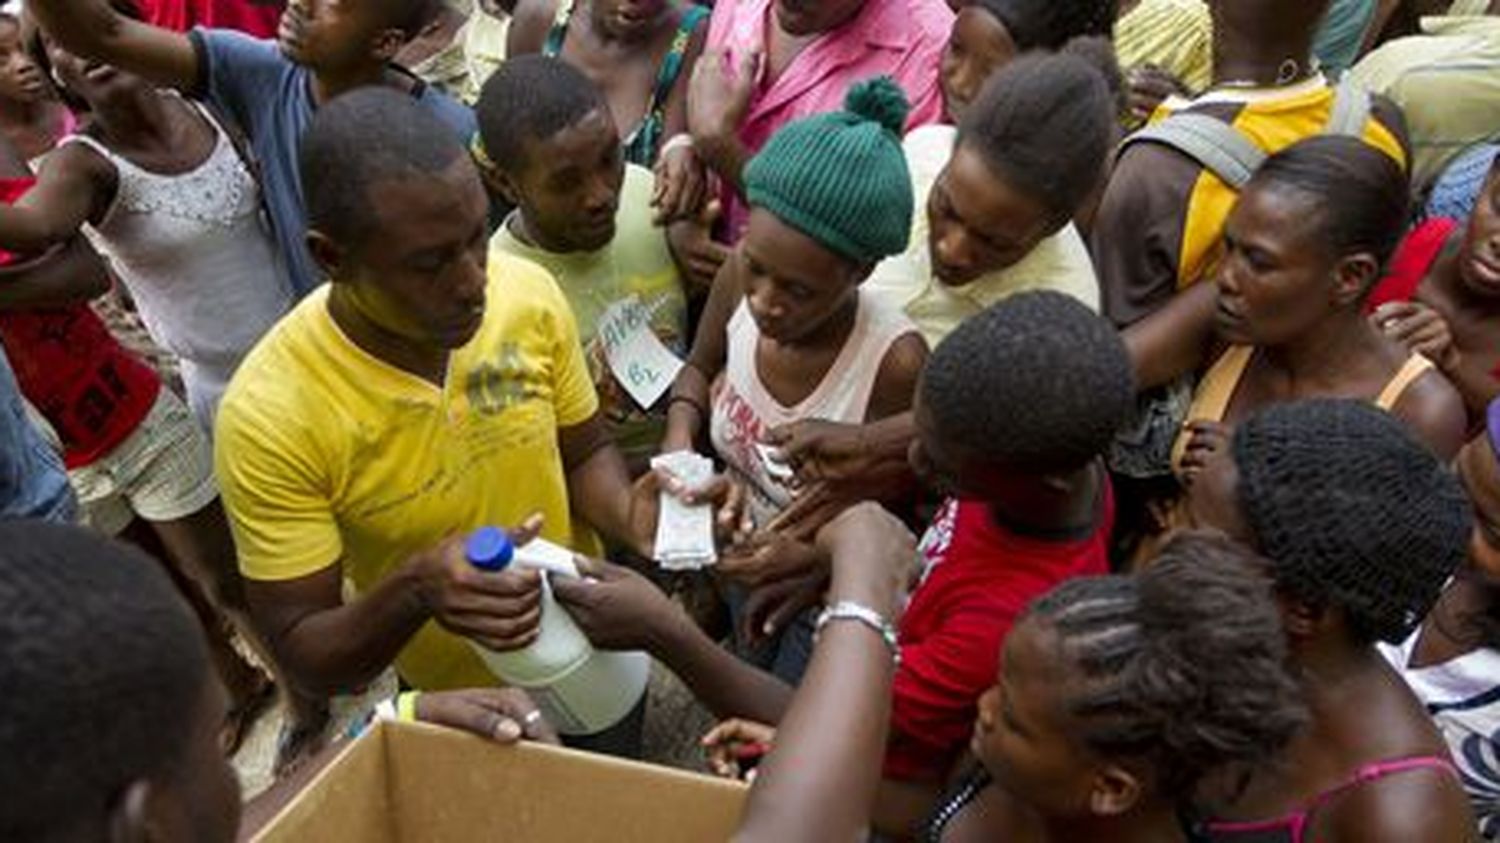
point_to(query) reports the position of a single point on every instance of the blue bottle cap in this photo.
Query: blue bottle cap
(489, 549)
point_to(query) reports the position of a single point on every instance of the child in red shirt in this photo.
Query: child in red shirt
(1014, 410)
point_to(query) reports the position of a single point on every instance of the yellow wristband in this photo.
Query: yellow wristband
(406, 706)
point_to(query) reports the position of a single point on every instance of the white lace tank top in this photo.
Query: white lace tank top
(197, 257)
(744, 410)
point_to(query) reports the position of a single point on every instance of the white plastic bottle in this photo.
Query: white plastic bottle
(581, 691)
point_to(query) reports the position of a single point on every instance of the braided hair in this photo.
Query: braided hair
(1353, 512)
(1147, 656)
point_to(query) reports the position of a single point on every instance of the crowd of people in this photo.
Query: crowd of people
(1103, 400)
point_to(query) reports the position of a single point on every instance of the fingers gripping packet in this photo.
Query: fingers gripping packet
(685, 534)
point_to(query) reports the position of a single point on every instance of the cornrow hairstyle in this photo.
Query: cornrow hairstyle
(99, 662)
(1353, 512)
(338, 162)
(1147, 655)
(1363, 197)
(1044, 123)
(1037, 382)
(1049, 24)
(531, 98)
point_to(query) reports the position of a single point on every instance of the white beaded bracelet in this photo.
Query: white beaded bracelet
(848, 610)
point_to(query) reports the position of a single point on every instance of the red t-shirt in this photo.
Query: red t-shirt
(248, 16)
(91, 390)
(980, 576)
(1412, 261)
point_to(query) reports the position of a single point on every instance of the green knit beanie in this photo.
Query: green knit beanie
(841, 178)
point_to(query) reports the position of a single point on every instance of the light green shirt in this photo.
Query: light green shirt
(1060, 263)
(1447, 80)
(637, 262)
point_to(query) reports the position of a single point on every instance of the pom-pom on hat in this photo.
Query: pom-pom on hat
(1352, 511)
(841, 177)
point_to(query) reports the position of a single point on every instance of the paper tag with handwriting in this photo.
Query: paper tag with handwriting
(638, 359)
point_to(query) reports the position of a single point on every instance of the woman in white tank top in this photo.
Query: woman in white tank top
(163, 191)
(788, 336)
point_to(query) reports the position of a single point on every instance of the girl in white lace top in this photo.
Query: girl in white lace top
(162, 190)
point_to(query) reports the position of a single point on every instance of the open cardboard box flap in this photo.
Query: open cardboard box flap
(403, 783)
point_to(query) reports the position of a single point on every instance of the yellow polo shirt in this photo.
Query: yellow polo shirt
(328, 456)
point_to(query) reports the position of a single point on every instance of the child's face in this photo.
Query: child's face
(1022, 735)
(978, 46)
(21, 80)
(569, 185)
(793, 286)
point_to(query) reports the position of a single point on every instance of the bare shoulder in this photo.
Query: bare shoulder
(1435, 411)
(1425, 804)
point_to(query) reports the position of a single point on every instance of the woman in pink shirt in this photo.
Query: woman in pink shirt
(769, 62)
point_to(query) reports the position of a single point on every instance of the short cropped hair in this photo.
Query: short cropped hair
(1044, 123)
(531, 98)
(1036, 382)
(367, 136)
(101, 664)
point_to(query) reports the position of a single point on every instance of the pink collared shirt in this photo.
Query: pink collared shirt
(903, 39)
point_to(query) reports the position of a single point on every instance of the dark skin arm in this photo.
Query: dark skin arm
(328, 646)
(681, 181)
(687, 417)
(621, 610)
(717, 101)
(600, 489)
(75, 186)
(837, 466)
(1422, 805)
(529, 26)
(91, 29)
(821, 780)
(67, 274)
(1436, 413)
(70, 274)
(599, 486)
(1174, 340)
(676, 111)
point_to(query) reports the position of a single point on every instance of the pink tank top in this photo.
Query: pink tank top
(1292, 827)
(744, 410)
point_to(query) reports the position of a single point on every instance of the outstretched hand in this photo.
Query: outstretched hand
(617, 608)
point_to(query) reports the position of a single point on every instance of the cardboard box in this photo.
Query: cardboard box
(404, 783)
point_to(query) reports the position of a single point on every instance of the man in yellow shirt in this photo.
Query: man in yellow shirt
(408, 402)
